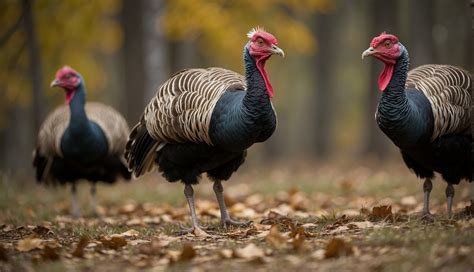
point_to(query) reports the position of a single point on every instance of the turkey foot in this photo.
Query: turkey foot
(226, 222)
(225, 218)
(427, 217)
(196, 230)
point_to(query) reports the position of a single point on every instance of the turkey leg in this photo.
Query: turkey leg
(427, 187)
(75, 211)
(94, 199)
(450, 196)
(225, 218)
(189, 194)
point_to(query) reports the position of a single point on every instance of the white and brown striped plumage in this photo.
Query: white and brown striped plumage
(182, 108)
(113, 125)
(448, 89)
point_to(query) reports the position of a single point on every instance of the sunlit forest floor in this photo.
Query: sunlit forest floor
(305, 217)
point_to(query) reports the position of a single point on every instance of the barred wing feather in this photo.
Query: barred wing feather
(448, 90)
(182, 108)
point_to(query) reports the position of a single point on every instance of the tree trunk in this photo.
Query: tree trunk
(134, 61)
(421, 40)
(322, 102)
(156, 68)
(17, 143)
(384, 19)
(35, 64)
(184, 54)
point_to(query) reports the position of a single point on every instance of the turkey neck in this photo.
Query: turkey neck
(78, 123)
(82, 139)
(256, 104)
(401, 117)
(243, 118)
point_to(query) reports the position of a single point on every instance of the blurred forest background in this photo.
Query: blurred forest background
(325, 95)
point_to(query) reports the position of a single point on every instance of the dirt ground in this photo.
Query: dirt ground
(324, 218)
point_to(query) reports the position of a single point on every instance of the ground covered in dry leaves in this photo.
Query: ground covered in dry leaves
(334, 218)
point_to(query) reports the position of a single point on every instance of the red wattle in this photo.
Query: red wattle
(268, 85)
(69, 96)
(385, 76)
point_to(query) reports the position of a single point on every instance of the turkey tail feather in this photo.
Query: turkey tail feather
(140, 151)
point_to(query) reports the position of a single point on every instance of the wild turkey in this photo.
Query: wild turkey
(426, 113)
(203, 120)
(80, 141)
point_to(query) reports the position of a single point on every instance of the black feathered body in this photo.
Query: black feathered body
(430, 125)
(221, 115)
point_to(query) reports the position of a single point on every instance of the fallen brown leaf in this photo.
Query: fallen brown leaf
(337, 248)
(381, 212)
(275, 238)
(408, 201)
(298, 242)
(40, 230)
(130, 233)
(135, 222)
(29, 244)
(200, 233)
(250, 252)
(128, 208)
(226, 253)
(155, 247)
(49, 253)
(79, 251)
(114, 241)
(187, 253)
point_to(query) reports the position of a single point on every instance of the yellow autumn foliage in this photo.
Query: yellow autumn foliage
(220, 25)
(73, 32)
(83, 33)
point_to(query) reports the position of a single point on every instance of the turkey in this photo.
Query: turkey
(80, 140)
(425, 112)
(203, 121)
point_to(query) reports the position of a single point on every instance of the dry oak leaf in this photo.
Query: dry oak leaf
(274, 218)
(187, 253)
(275, 238)
(115, 241)
(130, 233)
(382, 212)
(29, 244)
(338, 248)
(250, 252)
(79, 251)
(155, 247)
(298, 242)
(226, 253)
(40, 230)
(198, 232)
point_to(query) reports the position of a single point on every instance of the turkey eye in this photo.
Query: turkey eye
(68, 76)
(260, 42)
(388, 44)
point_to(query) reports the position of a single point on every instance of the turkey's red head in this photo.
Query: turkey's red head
(387, 49)
(262, 45)
(68, 79)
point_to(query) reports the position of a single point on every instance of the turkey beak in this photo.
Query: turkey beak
(277, 51)
(369, 52)
(55, 83)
